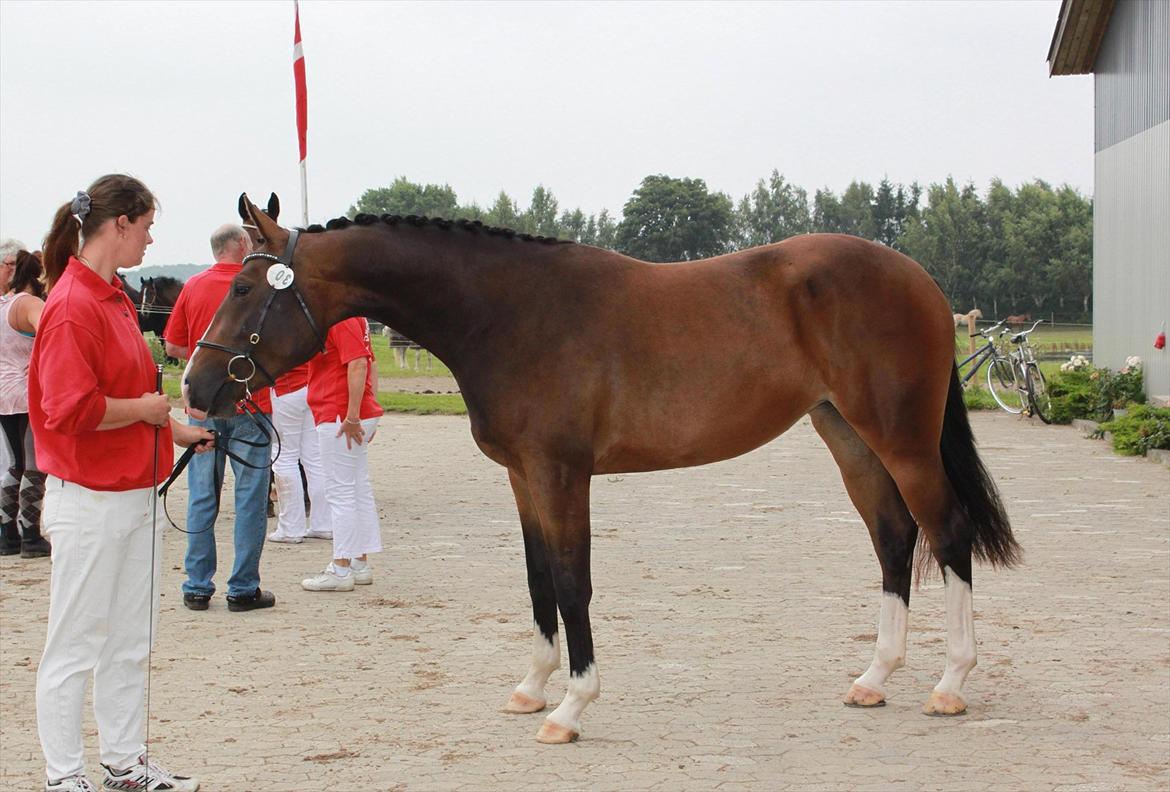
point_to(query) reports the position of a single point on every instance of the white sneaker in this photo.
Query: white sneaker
(277, 536)
(329, 580)
(71, 784)
(147, 777)
(319, 534)
(362, 576)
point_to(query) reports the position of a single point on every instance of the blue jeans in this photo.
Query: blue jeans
(251, 506)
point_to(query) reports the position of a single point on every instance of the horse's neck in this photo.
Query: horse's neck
(431, 285)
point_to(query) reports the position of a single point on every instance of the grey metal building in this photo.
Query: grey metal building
(1126, 46)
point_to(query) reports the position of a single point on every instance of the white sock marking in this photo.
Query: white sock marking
(890, 653)
(583, 688)
(960, 634)
(546, 658)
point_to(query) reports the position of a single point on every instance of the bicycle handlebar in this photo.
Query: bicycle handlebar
(1019, 337)
(986, 332)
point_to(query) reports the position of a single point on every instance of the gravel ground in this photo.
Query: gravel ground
(733, 605)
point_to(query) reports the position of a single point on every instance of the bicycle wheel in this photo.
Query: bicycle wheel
(1005, 386)
(1038, 395)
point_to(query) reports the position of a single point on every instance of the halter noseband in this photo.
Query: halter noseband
(245, 355)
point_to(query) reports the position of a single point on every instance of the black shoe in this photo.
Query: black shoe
(254, 601)
(196, 601)
(37, 548)
(9, 540)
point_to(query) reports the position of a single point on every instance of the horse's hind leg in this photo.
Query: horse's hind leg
(911, 454)
(546, 647)
(893, 532)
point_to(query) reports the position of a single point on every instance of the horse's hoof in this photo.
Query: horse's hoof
(519, 704)
(859, 696)
(555, 734)
(944, 704)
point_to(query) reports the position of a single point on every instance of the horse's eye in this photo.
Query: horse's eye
(241, 289)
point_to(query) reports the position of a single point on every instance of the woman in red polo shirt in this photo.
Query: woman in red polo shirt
(341, 396)
(104, 437)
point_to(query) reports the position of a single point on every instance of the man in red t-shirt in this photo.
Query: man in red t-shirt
(240, 434)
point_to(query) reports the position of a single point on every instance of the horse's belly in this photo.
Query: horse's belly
(694, 435)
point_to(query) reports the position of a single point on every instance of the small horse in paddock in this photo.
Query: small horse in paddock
(576, 361)
(399, 344)
(1018, 321)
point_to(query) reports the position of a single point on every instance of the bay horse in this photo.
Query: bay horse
(576, 361)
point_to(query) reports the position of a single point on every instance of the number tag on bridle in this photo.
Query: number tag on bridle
(280, 276)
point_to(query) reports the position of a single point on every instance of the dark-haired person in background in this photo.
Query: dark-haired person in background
(104, 437)
(22, 488)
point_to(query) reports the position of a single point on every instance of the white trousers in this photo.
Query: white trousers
(356, 530)
(298, 443)
(100, 622)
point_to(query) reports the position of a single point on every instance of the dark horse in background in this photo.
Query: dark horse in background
(576, 361)
(154, 301)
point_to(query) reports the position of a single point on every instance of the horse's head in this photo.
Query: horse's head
(269, 322)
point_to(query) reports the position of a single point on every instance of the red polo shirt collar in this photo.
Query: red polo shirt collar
(100, 289)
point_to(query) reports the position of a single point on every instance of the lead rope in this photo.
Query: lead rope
(153, 561)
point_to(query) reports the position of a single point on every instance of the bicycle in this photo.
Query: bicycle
(1001, 371)
(1027, 368)
(1015, 380)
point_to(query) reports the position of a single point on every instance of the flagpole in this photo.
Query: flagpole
(304, 196)
(302, 94)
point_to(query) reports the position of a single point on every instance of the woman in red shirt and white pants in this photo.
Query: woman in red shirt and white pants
(341, 396)
(103, 436)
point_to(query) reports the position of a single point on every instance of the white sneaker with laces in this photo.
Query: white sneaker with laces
(319, 534)
(77, 783)
(147, 777)
(363, 575)
(329, 580)
(277, 536)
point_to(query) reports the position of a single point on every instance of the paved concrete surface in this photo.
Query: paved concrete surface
(733, 606)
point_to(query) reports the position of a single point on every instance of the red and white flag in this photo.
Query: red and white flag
(302, 92)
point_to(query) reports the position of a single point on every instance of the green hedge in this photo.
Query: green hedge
(1140, 429)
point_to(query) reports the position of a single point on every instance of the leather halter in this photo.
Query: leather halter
(249, 407)
(286, 258)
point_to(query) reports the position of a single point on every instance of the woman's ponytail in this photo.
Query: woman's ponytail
(60, 244)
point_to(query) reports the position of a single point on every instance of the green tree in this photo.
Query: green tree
(541, 216)
(774, 211)
(827, 215)
(670, 219)
(504, 213)
(947, 240)
(405, 197)
(857, 211)
(607, 231)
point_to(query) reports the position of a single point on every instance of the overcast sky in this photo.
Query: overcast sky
(196, 99)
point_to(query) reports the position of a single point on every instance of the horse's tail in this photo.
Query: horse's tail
(991, 533)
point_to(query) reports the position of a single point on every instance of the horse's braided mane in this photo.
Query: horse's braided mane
(438, 222)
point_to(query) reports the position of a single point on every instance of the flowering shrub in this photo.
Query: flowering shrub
(1080, 391)
(1076, 363)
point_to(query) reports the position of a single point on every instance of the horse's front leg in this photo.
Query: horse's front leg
(560, 494)
(546, 646)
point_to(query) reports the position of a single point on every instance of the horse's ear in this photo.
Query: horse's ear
(268, 227)
(273, 206)
(243, 207)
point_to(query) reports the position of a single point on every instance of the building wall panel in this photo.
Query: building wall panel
(1131, 253)
(1132, 84)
